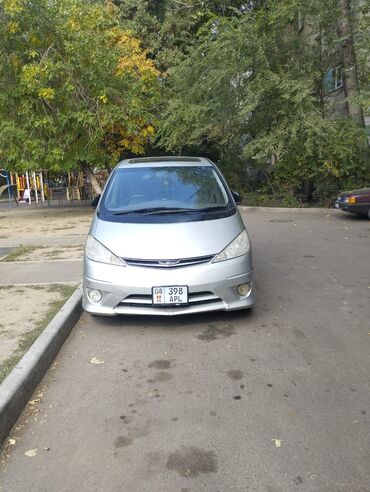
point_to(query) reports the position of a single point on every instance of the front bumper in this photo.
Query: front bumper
(128, 290)
(342, 206)
(354, 208)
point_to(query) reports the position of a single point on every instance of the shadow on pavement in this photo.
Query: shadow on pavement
(173, 322)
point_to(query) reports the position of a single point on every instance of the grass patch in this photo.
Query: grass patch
(27, 339)
(71, 246)
(8, 365)
(54, 252)
(64, 290)
(19, 252)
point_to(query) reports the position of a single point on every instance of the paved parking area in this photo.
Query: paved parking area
(273, 400)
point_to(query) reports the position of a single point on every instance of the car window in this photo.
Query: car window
(190, 187)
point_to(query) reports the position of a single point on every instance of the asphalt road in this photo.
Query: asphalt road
(272, 400)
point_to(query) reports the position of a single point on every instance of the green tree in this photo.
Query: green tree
(75, 87)
(168, 28)
(252, 84)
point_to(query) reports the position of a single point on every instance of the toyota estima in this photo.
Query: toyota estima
(167, 238)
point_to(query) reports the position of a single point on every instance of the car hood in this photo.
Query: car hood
(361, 191)
(167, 241)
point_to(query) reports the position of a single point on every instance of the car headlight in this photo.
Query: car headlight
(97, 252)
(350, 199)
(238, 247)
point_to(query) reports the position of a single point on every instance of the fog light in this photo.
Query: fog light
(95, 295)
(243, 289)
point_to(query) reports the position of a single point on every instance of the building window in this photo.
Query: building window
(333, 79)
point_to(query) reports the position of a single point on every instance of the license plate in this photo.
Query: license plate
(337, 205)
(176, 294)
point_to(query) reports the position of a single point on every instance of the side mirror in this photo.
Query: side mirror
(236, 197)
(95, 201)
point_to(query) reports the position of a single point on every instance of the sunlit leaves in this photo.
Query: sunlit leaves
(80, 88)
(13, 7)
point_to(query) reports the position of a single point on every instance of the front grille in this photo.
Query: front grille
(145, 300)
(168, 263)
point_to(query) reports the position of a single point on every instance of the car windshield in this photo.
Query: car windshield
(164, 189)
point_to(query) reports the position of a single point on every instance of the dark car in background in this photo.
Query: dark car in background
(355, 201)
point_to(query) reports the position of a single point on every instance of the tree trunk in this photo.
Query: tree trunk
(349, 62)
(93, 181)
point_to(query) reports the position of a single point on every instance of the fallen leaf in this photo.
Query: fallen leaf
(33, 402)
(277, 442)
(96, 361)
(31, 453)
(11, 441)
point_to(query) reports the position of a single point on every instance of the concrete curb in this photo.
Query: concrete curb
(17, 388)
(303, 210)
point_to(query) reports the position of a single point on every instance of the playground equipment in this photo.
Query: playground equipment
(30, 186)
(39, 186)
(9, 188)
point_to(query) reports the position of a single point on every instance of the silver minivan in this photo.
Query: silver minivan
(167, 238)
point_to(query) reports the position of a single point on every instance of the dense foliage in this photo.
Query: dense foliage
(253, 85)
(74, 85)
(246, 83)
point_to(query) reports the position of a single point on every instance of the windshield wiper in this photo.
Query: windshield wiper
(213, 209)
(126, 212)
(173, 210)
(156, 210)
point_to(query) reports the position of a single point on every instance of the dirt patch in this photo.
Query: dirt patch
(23, 223)
(35, 234)
(24, 313)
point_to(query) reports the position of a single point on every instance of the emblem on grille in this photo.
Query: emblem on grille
(168, 263)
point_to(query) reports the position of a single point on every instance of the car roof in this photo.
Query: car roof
(165, 161)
